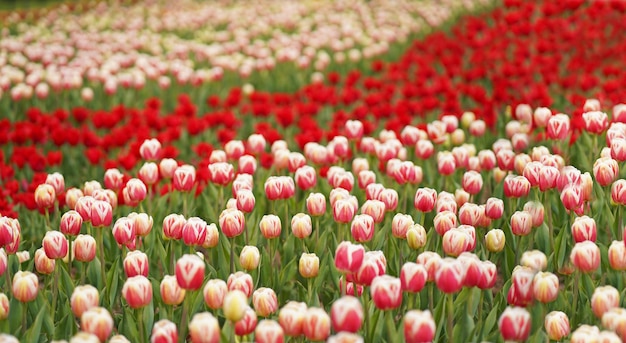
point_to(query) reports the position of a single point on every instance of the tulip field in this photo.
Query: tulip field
(297, 171)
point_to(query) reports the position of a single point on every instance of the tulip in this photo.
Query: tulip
(232, 222)
(97, 321)
(308, 265)
(488, 274)
(316, 204)
(194, 231)
(4, 306)
(425, 199)
(603, 299)
(241, 281)
(516, 186)
(149, 173)
(137, 291)
(204, 328)
(45, 196)
(362, 228)
(416, 236)
(375, 209)
(617, 255)
(495, 240)
(269, 331)
(430, 260)
(247, 324)
(413, 277)
(136, 263)
(84, 248)
(472, 182)
(164, 331)
(346, 314)
(173, 225)
(556, 325)
(25, 286)
(446, 163)
(265, 301)
(470, 214)
(605, 171)
(150, 149)
(584, 229)
(444, 221)
(419, 326)
(270, 226)
(6, 231)
(279, 187)
(349, 257)
(521, 291)
(214, 292)
(343, 211)
(349, 288)
(44, 264)
(171, 292)
(389, 197)
(291, 318)
(545, 287)
(374, 264)
(143, 223)
(71, 223)
(456, 241)
(134, 192)
(306, 177)
(386, 292)
(535, 260)
(190, 272)
(301, 225)
(234, 305)
(55, 245)
(558, 127)
(221, 173)
(585, 256)
(249, 257)
(450, 275)
(521, 223)
(514, 324)
(184, 178)
(316, 324)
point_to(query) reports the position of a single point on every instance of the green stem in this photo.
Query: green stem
(391, 327)
(450, 319)
(142, 328)
(183, 319)
(101, 254)
(83, 272)
(575, 296)
(232, 255)
(55, 290)
(7, 273)
(24, 317)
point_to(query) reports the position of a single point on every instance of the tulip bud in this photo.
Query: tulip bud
(265, 301)
(45, 196)
(164, 331)
(617, 255)
(521, 223)
(101, 213)
(84, 298)
(247, 324)
(249, 257)
(309, 265)
(545, 287)
(347, 314)
(534, 259)
(204, 328)
(4, 306)
(514, 324)
(316, 324)
(171, 292)
(585, 256)
(416, 236)
(234, 305)
(419, 326)
(190, 272)
(43, 264)
(194, 231)
(173, 225)
(214, 292)
(184, 178)
(584, 229)
(270, 226)
(150, 149)
(301, 225)
(386, 292)
(349, 257)
(71, 222)
(25, 286)
(413, 277)
(556, 325)
(137, 291)
(603, 299)
(136, 263)
(97, 321)
(241, 281)
(269, 331)
(444, 221)
(316, 204)
(84, 248)
(495, 240)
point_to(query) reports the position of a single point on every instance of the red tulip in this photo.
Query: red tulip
(316, 324)
(190, 272)
(346, 314)
(164, 331)
(349, 257)
(514, 324)
(137, 291)
(386, 292)
(419, 326)
(55, 244)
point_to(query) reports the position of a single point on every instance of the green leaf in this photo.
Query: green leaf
(490, 321)
(34, 332)
(112, 283)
